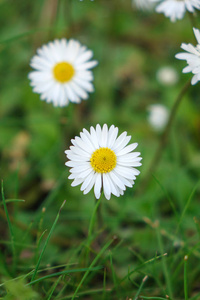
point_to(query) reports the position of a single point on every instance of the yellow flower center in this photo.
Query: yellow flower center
(63, 72)
(103, 160)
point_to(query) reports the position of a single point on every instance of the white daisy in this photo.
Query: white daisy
(175, 9)
(62, 72)
(143, 4)
(192, 56)
(167, 76)
(158, 116)
(101, 159)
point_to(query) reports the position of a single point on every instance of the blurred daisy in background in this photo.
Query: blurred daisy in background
(101, 159)
(175, 9)
(143, 4)
(192, 56)
(167, 76)
(158, 116)
(62, 72)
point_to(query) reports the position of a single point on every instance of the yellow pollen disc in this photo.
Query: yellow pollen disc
(103, 160)
(63, 72)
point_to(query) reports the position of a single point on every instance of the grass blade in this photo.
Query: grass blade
(13, 200)
(164, 264)
(154, 298)
(140, 288)
(142, 265)
(168, 197)
(46, 242)
(185, 277)
(64, 273)
(90, 267)
(10, 228)
(187, 205)
(54, 287)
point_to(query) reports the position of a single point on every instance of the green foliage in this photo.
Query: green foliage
(18, 290)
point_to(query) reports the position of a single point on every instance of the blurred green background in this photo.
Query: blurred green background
(131, 46)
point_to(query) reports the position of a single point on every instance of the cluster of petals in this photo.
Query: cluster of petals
(175, 9)
(113, 182)
(192, 56)
(143, 4)
(158, 116)
(69, 52)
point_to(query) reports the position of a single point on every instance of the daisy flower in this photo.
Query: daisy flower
(62, 72)
(167, 76)
(175, 9)
(158, 116)
(192, 56)
(101, 159)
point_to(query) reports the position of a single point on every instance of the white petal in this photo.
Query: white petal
(98, 185)
(127, 149)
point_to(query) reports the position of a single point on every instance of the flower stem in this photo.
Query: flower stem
(164, 138)
(192, 19)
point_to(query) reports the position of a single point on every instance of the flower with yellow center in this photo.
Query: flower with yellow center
(62, 72)
(175, 9)
(104, 161)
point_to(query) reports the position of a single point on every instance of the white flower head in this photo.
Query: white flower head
(158, 116)
(192, 56)
(167, 76)
(62, 72)
(101, 159)
(145, 5)
(175, 9)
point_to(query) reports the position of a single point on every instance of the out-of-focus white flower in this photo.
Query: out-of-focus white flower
(175, 9)
(143, 4)
(158, 116)
(167, 76)
(192, 56)
(62, 72)
(101, 159)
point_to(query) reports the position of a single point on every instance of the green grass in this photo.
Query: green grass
(136, 248)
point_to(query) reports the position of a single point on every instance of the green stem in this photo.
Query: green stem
(164, 138)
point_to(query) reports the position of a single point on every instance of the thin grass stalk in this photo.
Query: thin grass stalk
(197, 223)
(10, 228)
(164, 264)
(168, 197)
(186, 206)
(46, 242)
(91, 265)
(142, 265)
(54, 287)
(140, 288)
(185, 277)
(154, 298)
(63, 273)
(116, 284)
(104, 285)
